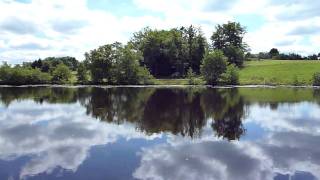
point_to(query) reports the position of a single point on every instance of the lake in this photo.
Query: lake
(159, 133)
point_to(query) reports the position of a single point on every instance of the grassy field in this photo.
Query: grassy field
(278, 72)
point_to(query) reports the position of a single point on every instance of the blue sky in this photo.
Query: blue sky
(31, 29)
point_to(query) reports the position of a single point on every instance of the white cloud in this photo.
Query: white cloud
(70, 28)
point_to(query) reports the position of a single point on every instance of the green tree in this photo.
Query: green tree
(196, 46)
(128, 70)
(191, 76)
(61, 74)
(101, 62)
(231, 76)
(274, 52)
(82, 73)
(229, 38)
(316, 79)
(170, 52)
(235, 55)
(214, 64)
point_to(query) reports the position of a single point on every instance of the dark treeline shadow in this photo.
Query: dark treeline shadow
(180, 111)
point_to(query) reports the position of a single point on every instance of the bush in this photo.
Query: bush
(21, 76)
(144, 76)
(82, 73)
(231, 76)
(316, 79)
(61, 74)
(127, 69)
(214, 64)
(191, 77)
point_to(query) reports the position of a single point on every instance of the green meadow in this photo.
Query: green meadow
(279, 72)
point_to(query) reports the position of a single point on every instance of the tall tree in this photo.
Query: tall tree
(229, 38)
(274, 52)
(82, 73)
(101, 62)
(196, 44)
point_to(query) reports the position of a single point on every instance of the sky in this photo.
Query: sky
(32, 29)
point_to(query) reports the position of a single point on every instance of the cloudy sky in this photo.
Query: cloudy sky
(32, 29)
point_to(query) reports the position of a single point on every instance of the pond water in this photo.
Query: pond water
(159, 133)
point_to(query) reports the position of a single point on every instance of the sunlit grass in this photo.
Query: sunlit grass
(279, 72)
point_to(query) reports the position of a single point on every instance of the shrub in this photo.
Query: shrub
(191, 77)
(316, 79)
(214, 64)
(61, 74)
(21, 76)
(82, 73)
(127, 69)
(231, 76)
(144, 76)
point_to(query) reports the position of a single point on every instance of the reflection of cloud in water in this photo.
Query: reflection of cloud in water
(58, 135)
(290, 147)
(202, 160)
(237, 160)
(303, 117)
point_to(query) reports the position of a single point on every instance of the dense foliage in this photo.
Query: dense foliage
(117, 64)
(229, 38)
(231, 76)
(316, 79)
(170, 52)
(20, 76)
(49, 63)
(82, 74)
(214, 65)
(61, 74)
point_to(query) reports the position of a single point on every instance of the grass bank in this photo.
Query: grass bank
(267, 72)
(278, 72)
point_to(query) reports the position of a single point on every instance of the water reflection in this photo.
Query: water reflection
(159, 133)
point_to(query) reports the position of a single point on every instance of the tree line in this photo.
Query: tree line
(182, 52)
(150, 53)
(274, 53)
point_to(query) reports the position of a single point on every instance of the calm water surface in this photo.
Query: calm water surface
(159, 133)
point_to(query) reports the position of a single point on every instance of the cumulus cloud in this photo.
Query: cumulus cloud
(305, 30)
(72, 28)
(18, 26)
(69, 26)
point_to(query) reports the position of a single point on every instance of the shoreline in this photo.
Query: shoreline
(162, 86)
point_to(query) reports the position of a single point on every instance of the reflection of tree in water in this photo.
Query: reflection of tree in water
(174, 111)
(38, 94)
(152, 110)
(316, 95)
(117, 104)
(179, 111)
(227, 111)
